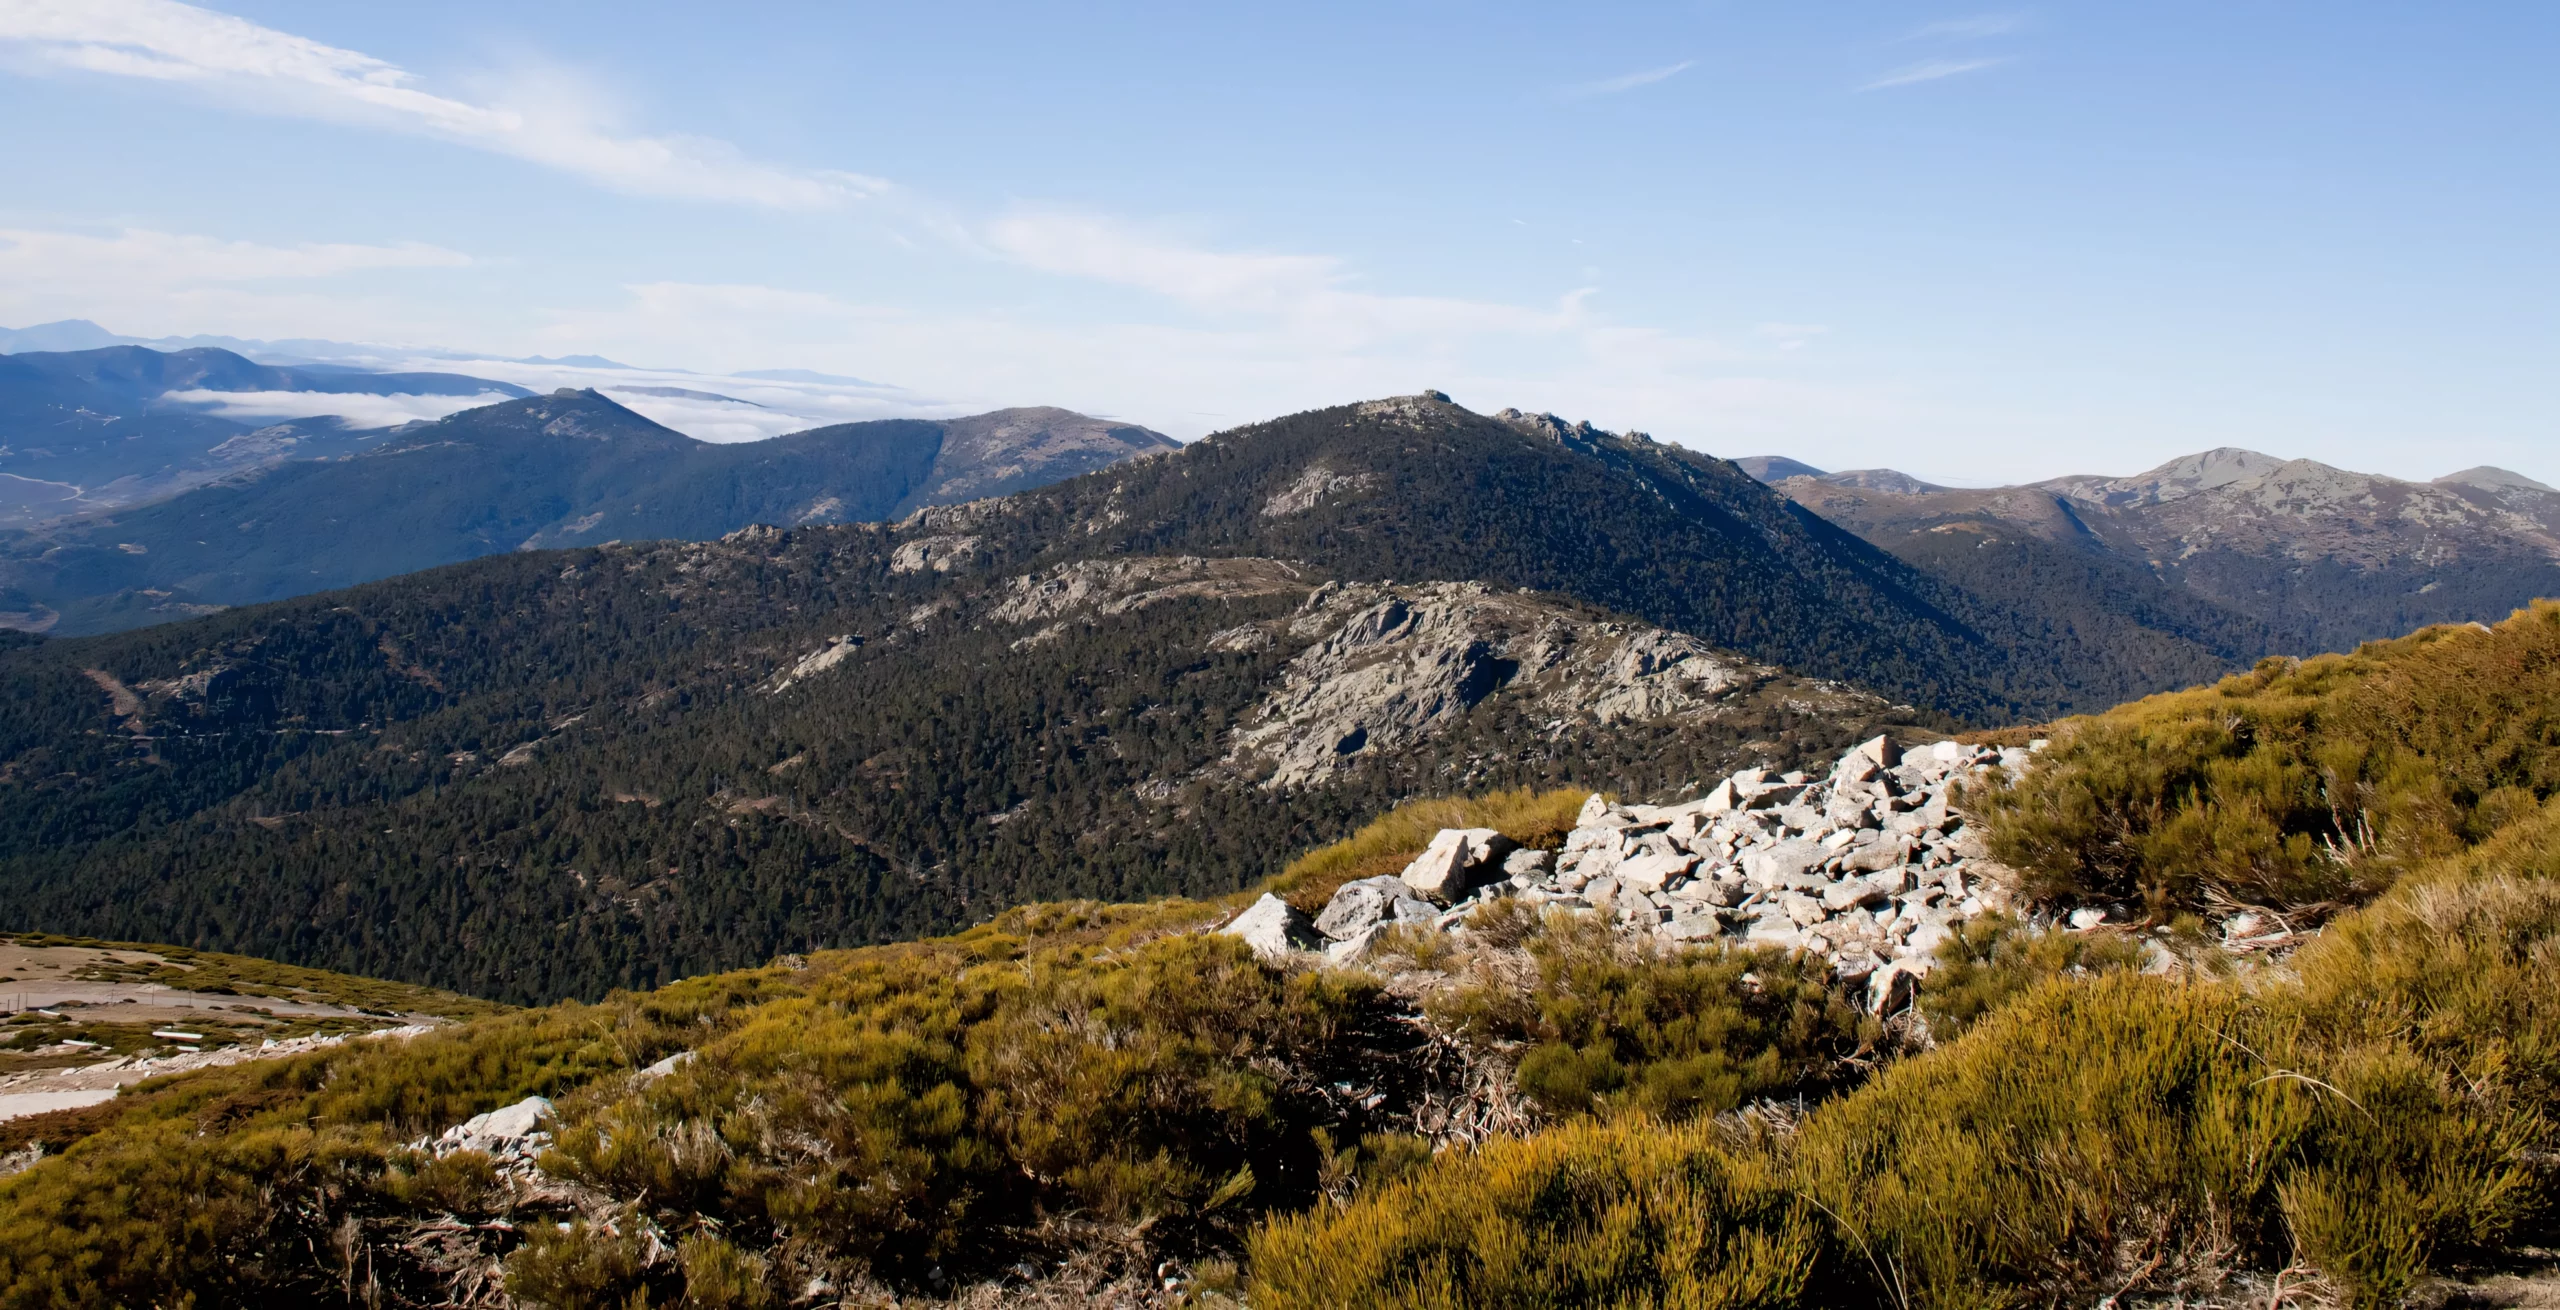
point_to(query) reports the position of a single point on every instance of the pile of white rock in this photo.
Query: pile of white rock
(511, 1135)
(1869, 867)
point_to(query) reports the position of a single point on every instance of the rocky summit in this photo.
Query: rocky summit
(1870, 866)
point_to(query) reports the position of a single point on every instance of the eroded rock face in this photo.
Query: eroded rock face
(1314, 487)
(1102, 588)
(940, 554)
(1390, 665)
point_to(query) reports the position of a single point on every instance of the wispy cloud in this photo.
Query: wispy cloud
(1233, 330)
(32, 258)
(1315, 293)
(1626, 81)
(1969, 28)
(1309, 346)
(1931, 70)
(280, 73)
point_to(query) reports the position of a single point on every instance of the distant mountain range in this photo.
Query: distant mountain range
(2255, 553)
(564, 469)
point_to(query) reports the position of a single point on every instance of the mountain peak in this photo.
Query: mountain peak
(567, 412)
(2493, 479)
(1009, 450)
(2180, 477)
(61, 334)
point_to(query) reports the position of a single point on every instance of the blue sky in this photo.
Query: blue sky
(1978, 244)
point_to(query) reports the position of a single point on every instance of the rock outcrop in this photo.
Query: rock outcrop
(513, 1137)
(1272, 928)
(1870, 866)
(1390, 664)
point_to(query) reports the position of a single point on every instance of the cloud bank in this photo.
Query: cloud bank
(359, 411)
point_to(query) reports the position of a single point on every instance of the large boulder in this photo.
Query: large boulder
(1456, 857)
(1772, 865)
(1359, 906)
(1271, 928)
(1880, 856)
(1651, 871)
(1874, 753)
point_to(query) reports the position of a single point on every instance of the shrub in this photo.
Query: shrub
(1629, 1213)
(2299, 783)
(1988, 962)
(578, 1266)
(1667, 1032)
(2076, 1136)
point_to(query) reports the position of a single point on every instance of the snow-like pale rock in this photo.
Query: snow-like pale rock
(1870, 865)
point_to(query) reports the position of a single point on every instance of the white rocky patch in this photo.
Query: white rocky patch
(1390, 665)
(1100, 588)
(1869, 866)
(837, 650)
(1313, 488)
(512, 1136)
(940, 554)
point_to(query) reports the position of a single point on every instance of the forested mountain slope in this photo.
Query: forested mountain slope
(563, 469)
(546, 773)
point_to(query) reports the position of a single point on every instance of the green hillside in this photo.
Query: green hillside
(1085, 1100)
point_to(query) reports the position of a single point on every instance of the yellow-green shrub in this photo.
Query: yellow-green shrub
(1628, 1213)
(2299, 782)
(1669, 1032)
(152, 1213)
(895, 1107)
(1988, 962)
(2074, 1135)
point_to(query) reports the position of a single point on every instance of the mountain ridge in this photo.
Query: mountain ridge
(569, 468)
(2289, 554)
